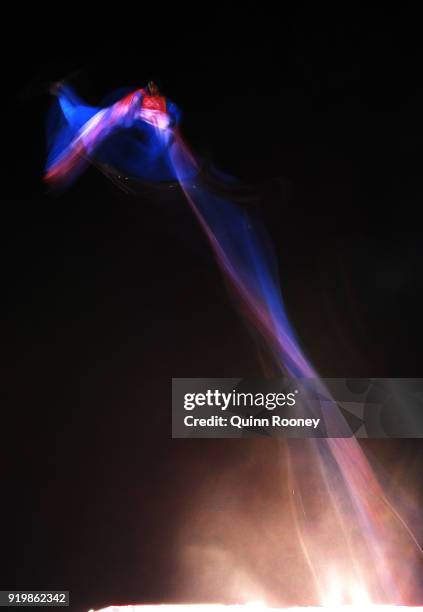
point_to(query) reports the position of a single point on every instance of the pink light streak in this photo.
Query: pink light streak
(358, 607)
(382, 553)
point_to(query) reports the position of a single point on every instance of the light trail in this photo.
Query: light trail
(372, 539)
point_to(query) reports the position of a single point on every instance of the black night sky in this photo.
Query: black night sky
(106, 297)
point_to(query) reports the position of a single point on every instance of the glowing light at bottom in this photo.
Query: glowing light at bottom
(256, 608)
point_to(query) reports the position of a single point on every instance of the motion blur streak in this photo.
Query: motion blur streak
(382, 542)
(362, 546)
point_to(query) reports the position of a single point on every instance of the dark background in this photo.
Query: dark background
(107, 296)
